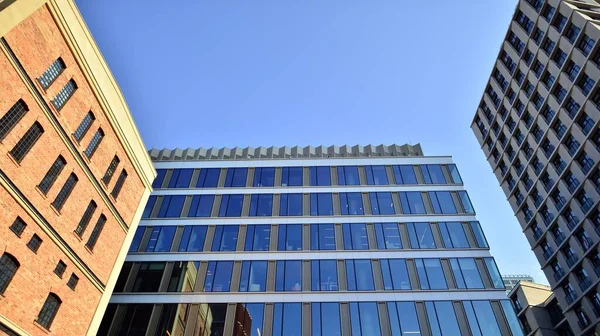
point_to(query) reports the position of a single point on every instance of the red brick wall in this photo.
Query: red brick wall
(37, 42)
(35, 278)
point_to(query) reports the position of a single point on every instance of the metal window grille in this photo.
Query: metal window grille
(12, 117)
(64, 94)
(8, 268)
(112, 167)
(52, 174)
(119, 185)
(27, 141)
(18, 226)
(49, 310)
(64, 193)
(94, 143)
(96, 232)
(84, 126)
(86, 218)
(53, 71)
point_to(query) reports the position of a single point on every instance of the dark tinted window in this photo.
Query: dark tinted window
(320, 176)
(290, 205)
(225, 238)
(181, 178)
(208, 178)
(405, 174)
(264, 177)
(348, 175)
(236, 177)
(291, 176)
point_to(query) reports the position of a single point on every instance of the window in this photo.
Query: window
(49, 310)
(257, 238)
(420, 235)
(455, 174)
(465, 201)
(481, 318)
(405, 174)
(560, 57)
(320, 176)
(148, 277)
(412, 202)
(572, 33)
(395, 274)
(18, 226)
(119, 185)
(110, 171)
(287, 319)
(359, 274)
(291, 176)
(96, 232)
(208, 178)
(325, 319)
(376, 175)
(64, 94)
(12, 117)
(86, 218)
(322, 237)
(586, 44)
(53, 71)
(559, 22)
(572, 107)
(26, 142)
(442, 318)
(192, 239)
(290, 237)
(225, 238)
(511, 317)
(94, 143)
(231, 206)
(290, 205)
(431, 275)
(355, 237)
(64, 192)
(466, 273)
(364, 319)
(218, 276)
(236, 177)
(254, 276)
(172, 206)
(537, 36)
(149, 207)
(494, 273)
(84, 126)
(516, 42)
(8, 268)
(160, 176)
(348, 175)
(585, 123)
(586, 84)
(453, 235)
(288, 275)
(264, 177)
(261, 205)
(201, 206)
(181, 178)
(433, 174)
(572, 70)
(60, 268)
(381, 203)
(351, 203)
(161, 239)
(548, 46)
(324, 275)
(73, 280)
(442, 202)
(403, 318)
(388, 236)
(321, 204)
(52, 175)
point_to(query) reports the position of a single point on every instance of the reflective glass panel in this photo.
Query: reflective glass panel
(412, 202)
(287, 319)
(494, 273)
(351, 204)
(181, 178)
(376, 175)
(261, 205)
(388, 236)
(257, 238)
(208, 178)
(291, 176)
(231, 206)
(453, 234)
(193, 238)
(236, 177)
(321, 204)
(364, 319)
(432, 174)
(479, 236)
(325, 319)
(348, 175)
(442, 319)
(290, 205)
(405, 174)
(171, 206)
(288, 276)
(420, 235)
(320, 176)
(454, 173)
(395, 274)
(290, 237)
(359, 274)
(264, 177)
(201, 206)
(161, 239)
(225, 238)
(381, 203)
(355, 236)
(322, 237)
(324, 275)
(218, 276)
(442, 202)
(254, 276)
(466, 202)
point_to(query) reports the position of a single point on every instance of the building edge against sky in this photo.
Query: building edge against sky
(89, 160)
(537, 124)
(378, 238)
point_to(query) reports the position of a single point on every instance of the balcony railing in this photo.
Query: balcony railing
(587, 205)
(548, 253)
(559, 274)
(572, 222)
(560, 202)
(571, 297)
(585, 283)
(560, 237)
(537, 234)
(572, 260)
(573, 185)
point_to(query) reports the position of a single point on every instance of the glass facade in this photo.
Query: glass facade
(354, 248)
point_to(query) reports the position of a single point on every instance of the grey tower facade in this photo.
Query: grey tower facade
(375, 240)
(537, 124)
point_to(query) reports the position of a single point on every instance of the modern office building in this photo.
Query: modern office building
(74, 174)
(537, 124)
(511, 280)
(374, 240)
(538, 310)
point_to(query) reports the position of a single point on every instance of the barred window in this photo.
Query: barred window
(52, 73)
(52, 174)
(64, 193)
(73, 280)
(27, 141)
(119, 185)
(96, 232)
(112, 167)
(84, 126)
(34, 243)
(8, 268)
(60, 268)
(18, 226)
(86, 218)
(49, 310)
(12, 117)
(64, 94)
(94, 143)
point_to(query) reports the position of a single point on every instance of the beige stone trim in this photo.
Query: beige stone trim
(13, 326)
(16, 12)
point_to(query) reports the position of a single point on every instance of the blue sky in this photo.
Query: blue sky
(251, 73)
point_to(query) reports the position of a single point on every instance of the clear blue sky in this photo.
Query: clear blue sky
(251, 73)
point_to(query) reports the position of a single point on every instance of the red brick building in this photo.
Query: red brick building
(74, 174)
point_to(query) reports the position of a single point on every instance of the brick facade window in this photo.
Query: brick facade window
(52, 174)
(8, 268)
(12, 117)
(96, 232)
(18, 226)
(49, 310)
(27, 141)
(110, 171)
(86, 218)
(64, 193)
(84, 126)
(52, 73)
